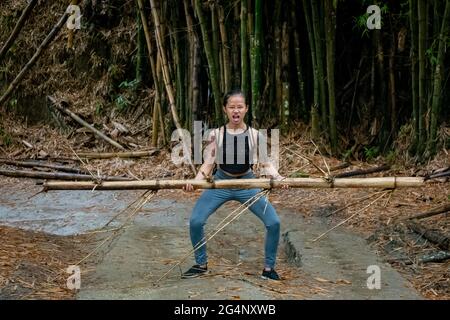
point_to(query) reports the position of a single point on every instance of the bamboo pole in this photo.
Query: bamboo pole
(244, 49)
(166, 74)
(441, 209)
(58, 176)
(414, 72)
(316, 28)
(85, 124)
(14, 84)
(436, 103)
(225, 50)
(28, 164)
(25, 14)
(422, 98)
(385, 182)
(330, 47)
(165, 67)
(156, 105)
(108, 155)
(213, 72)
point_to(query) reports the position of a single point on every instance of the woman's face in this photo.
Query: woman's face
(236, 109)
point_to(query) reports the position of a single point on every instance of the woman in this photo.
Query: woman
(223, 150)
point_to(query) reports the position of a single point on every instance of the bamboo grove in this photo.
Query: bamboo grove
(314, 62)
(309, 61)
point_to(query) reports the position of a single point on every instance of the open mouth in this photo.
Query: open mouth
(236, 118)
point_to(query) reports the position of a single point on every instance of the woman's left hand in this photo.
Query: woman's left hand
(284, 186)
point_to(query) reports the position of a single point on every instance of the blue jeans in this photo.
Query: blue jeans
(211, 199)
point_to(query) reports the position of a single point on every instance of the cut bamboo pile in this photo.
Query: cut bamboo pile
(379, 182)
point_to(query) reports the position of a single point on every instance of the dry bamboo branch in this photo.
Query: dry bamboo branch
(386, 182)
(344, 221)
(441, 209)
(383, 167)
(85, 124)
(338, 167)
(108, 155)
(442, 240)
(28, 164)
(307, 159)
(25, 14)
(354, 202)
(58, 176)
(35, 57)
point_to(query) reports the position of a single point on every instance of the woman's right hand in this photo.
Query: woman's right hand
(188, 187)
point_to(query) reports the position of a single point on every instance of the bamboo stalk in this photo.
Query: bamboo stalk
(361, 172)
(151, 54)
(414, 71)
(25, 14)
(14, 84)
(166, 74)
(330, 35)
(435, 236)
(384, 182)
(257, 61)
(441, 209)
(302, 112)
(225, 50)
(422, 99)
(33, 164)
(438, 82)
(108, 155)
(85, 124)
(213, 72)
(244, 48)
(165, 67)
(316, 27)
(57, 176)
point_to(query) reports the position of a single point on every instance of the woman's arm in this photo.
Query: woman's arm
(268, 169)
(209, 157)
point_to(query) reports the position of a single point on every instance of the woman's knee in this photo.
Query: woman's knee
(274, 223)
(196, 221)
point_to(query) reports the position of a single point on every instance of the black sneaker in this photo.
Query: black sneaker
(194, 272)
(272, 275)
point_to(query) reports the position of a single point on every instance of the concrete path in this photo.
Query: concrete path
(333, 268)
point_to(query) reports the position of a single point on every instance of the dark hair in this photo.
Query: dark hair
(234, 92)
